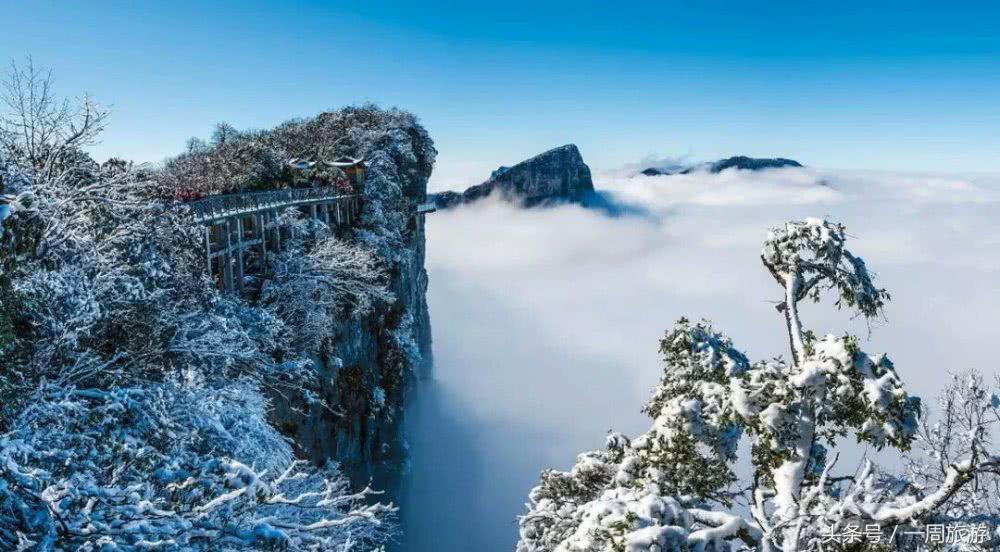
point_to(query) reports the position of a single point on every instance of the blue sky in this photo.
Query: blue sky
(897, 86)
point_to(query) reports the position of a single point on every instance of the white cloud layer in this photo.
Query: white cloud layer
(546, 321)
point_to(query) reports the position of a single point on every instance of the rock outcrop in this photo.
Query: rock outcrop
(446, 200)
(558, 175)
(369, 363)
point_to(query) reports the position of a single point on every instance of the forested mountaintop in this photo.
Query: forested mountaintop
(140, 405)
(234, 160)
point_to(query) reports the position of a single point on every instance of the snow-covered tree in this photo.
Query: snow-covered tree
(134, 397)
(170, 467)
(673, 487)
(41, 129)
(319, 279)
(131, 363)
(965, 423)
(231, 161)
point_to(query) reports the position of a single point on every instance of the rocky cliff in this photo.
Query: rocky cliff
(554, 176)
(169, 380)
(365, 358)
(373, 360)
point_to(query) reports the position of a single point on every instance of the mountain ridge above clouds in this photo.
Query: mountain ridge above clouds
(558, 175)
(741, 162)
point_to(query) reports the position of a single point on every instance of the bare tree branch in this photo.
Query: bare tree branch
(40, 130)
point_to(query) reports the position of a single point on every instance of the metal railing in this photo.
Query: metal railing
(220, 207)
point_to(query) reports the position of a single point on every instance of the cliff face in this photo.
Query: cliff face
(556, 175)
(365, 384)
(372, 360)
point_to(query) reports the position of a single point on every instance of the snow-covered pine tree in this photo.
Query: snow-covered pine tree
(673, 487)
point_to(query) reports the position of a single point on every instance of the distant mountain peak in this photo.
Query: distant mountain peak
(556, 175)
(741, 162)
(752, 163)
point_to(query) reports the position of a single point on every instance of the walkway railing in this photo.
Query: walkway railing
(218, 207)
(240, 229)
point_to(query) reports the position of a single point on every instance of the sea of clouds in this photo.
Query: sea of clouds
(546, 321)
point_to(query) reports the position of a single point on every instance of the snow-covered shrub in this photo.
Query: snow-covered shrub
(135, 368)
(104, 273)
(11, 181)
(657, 489)
(232, 161)
(169, 467)
(318, 280)
(965, 423)
(674, 488)
(133, 396)
(405, 342)
(696, 427)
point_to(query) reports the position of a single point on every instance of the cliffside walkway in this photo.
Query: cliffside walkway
(240, 229)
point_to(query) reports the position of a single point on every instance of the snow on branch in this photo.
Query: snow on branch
(811, 256)
(88, 468)
(318, 279)
(40, 129)
(674, 487)
(132, 396)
